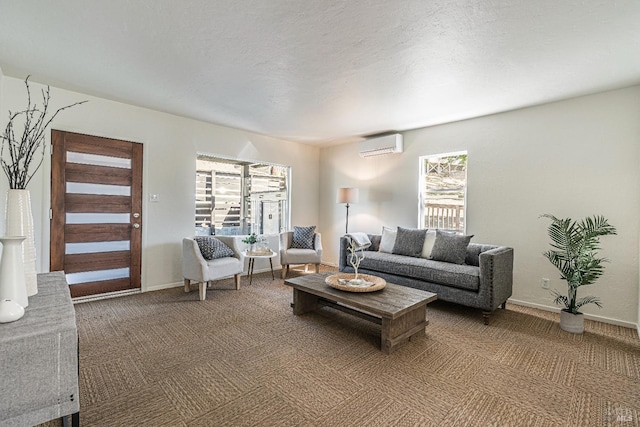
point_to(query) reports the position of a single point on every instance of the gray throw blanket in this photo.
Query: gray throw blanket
(360, 241)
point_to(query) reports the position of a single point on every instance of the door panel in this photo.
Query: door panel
(79, 233)
(78, 172)
(76, 263)
(79, 203)
(96, 203)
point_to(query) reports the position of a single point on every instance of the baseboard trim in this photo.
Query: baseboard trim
(586, 316)
(276, 273)
(89, 298)
(162, 286)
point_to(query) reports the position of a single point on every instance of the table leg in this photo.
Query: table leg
(303, 302)
(75, 420)
(394, 332)
(271, 264)
(251, 262)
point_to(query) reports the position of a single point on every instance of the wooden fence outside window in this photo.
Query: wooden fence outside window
(445, 217)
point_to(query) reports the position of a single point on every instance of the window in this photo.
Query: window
(443, 188)
(236, 198)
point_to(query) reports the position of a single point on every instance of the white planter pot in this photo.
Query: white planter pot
(20, 223)
(570, 322)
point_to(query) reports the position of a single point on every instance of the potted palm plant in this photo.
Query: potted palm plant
(575, 245)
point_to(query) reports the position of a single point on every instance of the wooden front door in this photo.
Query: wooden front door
(96, 212)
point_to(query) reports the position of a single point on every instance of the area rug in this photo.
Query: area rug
(241, 358)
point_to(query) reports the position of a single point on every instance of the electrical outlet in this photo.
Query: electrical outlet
(544, 282)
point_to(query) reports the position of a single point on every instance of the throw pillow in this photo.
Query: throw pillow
(375, 242)
(388, 240)
(212, 248)
(409, 242)
(429, 240)
(303, 237)
(450, 247)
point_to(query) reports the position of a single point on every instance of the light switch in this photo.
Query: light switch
(154, 197)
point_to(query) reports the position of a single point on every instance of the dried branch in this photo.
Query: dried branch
(354, 258)
(17, 155)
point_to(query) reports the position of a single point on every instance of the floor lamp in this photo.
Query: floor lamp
(347, 195)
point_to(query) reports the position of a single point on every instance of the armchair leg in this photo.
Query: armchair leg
(504, 305)
(187, 282)
(285, 270)
(202, 286)
(237, 277)
(317, 268)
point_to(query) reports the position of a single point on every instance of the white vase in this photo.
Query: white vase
(10, 311)
(570, 322)
(20, 223)
(12, 283)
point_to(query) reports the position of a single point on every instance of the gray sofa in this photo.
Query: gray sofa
(484, 281)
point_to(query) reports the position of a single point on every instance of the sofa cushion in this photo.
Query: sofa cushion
(212, 248)
(409, 242)
(388, 240)
(303, 237)
(302, 256)
(450, 247)
(455, 275)
(222, 267)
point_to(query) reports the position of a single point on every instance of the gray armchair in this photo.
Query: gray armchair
(196, 268)
(294, 256)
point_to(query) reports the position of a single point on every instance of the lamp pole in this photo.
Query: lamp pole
(346, 228)
(347, 196)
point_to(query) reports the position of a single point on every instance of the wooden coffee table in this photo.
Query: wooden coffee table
(400, 310)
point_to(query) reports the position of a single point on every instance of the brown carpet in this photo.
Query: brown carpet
(241, 358)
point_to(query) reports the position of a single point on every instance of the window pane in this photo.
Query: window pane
(111, 190)
(443, 191)
(93, 247)
(235, 197)
(98, 218)
(98, 160)
(94, 276)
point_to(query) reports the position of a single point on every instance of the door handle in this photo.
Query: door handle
(136, 225)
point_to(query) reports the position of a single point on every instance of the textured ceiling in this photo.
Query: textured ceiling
(324, 71)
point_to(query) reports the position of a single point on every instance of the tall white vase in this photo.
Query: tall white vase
(20, 223)
(12, 280)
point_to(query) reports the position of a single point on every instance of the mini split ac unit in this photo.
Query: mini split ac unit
(385, 144)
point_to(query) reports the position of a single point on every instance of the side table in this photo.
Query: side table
(39, 358)
(252, 260)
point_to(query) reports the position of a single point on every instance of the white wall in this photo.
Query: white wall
(572, 158)
(171, 144)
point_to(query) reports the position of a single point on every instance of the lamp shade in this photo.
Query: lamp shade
(347, 195)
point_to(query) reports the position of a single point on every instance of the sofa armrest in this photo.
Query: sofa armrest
(344, 245)
(496, 276)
